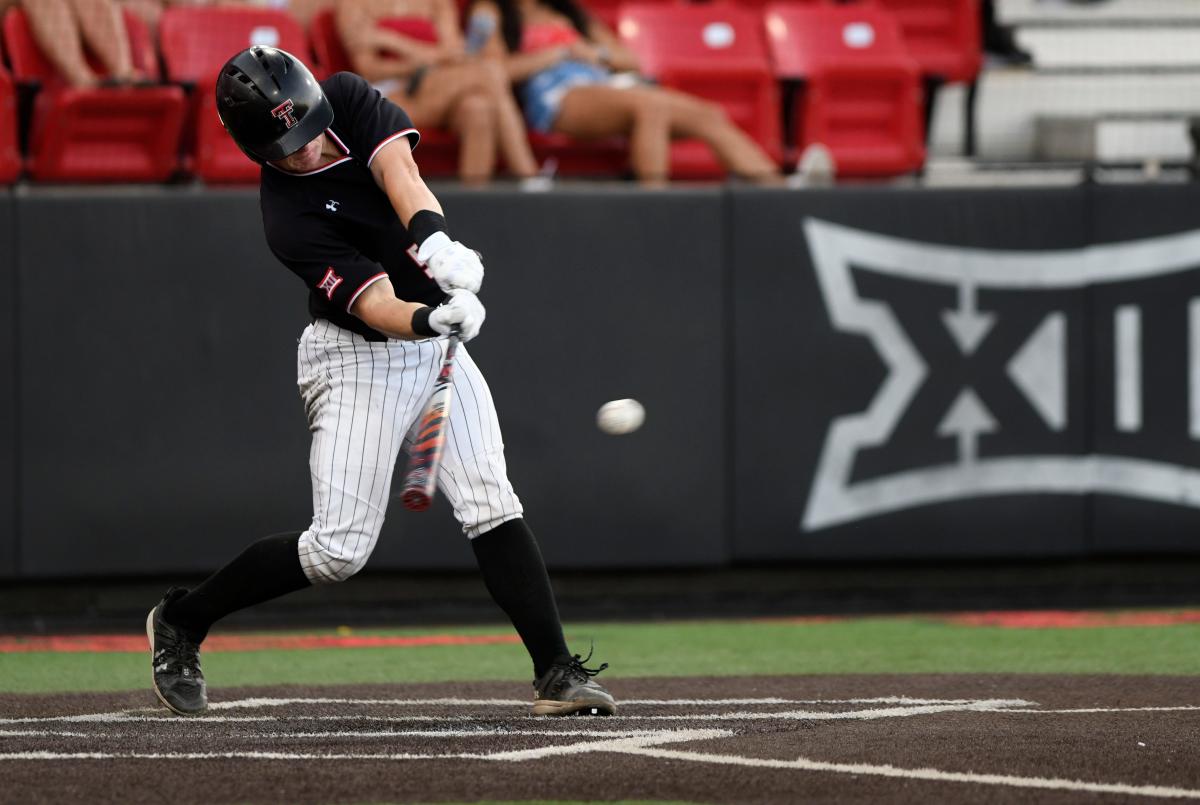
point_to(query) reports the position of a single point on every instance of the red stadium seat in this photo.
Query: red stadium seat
(944, 36)
(761, 3)
(105, 134)
(717, 52)
(861, 92)
(327, 44)
(196, 42)
(10, 154)
(438, 151)
(609, 11)
(594, 158)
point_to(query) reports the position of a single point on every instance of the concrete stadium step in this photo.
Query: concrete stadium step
(1114, 140)
(1010, 102)
(1113, 49)
(1113, 12)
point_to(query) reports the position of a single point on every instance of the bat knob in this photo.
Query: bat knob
(415, 500)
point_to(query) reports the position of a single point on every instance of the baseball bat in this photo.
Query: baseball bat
(425, 455)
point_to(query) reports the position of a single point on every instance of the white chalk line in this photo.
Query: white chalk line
(908, 707)
(458, 702)
(625, 743)
(919, 774)
(635, 742)
(1179, 708)
(480, 733)
(49, 733)
(1018, 706)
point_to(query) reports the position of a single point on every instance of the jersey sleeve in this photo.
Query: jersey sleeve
(367, 120)
(329, 267)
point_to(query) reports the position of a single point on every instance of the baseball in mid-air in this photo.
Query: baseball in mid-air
(619, 417)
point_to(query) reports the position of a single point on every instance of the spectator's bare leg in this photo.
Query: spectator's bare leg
(707, 121)
(56, 31)
(104, 31)
(440, 93)
(474, 120)
(514, 140)
(149, 10)
(651, 117)
(590, 112)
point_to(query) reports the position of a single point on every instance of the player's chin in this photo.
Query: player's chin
(303, 160)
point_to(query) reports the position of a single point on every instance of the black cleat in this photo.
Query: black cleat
(175, 658)
(568, 688)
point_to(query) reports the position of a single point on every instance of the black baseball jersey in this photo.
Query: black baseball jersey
(334, 227)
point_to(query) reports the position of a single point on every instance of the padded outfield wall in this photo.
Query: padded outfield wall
(857, 373)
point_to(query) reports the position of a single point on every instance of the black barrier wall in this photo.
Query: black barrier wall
(1160, 308)
(845, 374)
(161, 427)
(863, 400)
(9, 546)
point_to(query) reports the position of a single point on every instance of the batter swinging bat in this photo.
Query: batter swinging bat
(425, 456)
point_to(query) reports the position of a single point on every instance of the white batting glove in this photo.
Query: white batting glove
(451, 264)
(464, 310)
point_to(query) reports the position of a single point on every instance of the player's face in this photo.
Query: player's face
(306, 159)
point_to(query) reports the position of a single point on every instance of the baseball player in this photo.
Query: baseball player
(346, 210)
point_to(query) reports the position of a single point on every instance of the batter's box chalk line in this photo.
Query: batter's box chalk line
(608, 735)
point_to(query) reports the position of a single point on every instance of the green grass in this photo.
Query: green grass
(718, 648)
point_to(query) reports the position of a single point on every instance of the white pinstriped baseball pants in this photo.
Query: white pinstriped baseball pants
(362, 399)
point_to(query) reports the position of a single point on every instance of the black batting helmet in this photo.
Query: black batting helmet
(270, 103)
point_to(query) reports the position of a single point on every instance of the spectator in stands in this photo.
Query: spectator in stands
(575, 77)
(302, 10)
(63, 30)
(414, 53)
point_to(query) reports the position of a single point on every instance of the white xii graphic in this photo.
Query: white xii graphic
(1038, 369)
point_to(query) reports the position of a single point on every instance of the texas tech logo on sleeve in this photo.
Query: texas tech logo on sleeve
(329, 283)
(1069, 372)
(284, 112)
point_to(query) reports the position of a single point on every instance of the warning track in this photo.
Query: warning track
(780, 739)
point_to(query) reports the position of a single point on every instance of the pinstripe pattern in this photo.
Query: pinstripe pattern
(362, 400)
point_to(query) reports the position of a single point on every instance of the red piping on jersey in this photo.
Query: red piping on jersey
(388, 139)
(364, 287)
(337, 140)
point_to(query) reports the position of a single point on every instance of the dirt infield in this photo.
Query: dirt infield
(908, 739)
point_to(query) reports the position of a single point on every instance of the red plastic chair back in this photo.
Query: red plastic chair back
(674, 39)
(862, 92)
(29, 64)
(106, 134)
(10, 155)
(327, 43)
(197, 41)
(944, 36)
(609, 11)
(807, 39)
(717, 52)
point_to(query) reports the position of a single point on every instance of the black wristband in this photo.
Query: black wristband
(424, 224)
(420, 322)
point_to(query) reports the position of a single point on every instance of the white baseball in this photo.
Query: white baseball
(620, 417)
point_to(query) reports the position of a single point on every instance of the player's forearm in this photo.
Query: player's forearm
(407, 191)
(392, 317)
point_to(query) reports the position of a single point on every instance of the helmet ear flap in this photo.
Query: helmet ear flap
(270, 103)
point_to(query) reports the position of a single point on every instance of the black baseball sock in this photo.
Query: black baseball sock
(515, 575)
(267, 569)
